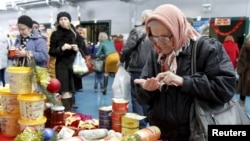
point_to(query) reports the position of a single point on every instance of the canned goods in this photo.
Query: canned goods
(117, 117)
(119, 105)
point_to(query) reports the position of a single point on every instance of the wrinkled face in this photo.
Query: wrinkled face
(161, 37)
(24, 30)
(64, 22)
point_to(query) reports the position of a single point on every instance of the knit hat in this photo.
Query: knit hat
(26, 20)
(35, 22)
(63, 14)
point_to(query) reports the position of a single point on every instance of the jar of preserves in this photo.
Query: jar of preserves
(57, 116)
(47, 114)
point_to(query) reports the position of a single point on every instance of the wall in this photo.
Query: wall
(125, 15)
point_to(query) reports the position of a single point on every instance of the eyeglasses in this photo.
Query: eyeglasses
(160, 39)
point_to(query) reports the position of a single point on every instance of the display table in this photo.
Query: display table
(3, 138)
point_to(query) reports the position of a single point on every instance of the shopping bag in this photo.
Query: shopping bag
(98, 64)
(79, 65)
(121, 84)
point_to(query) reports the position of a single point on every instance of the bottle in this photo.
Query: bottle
(151, 133)
(57, 116)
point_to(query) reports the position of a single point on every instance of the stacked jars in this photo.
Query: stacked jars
(119, 108)
(9, 113)
(32, 111)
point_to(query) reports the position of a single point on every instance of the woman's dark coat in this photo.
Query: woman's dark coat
(65, 59)
(213, 82)
(243, 69)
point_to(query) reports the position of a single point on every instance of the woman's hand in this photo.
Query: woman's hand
(74, 47)
(66, 47)
(149, 84)
(169, 78)
(21, 52)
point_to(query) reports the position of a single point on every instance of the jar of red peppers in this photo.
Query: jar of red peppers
(57, 116)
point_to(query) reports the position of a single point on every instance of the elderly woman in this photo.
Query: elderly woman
(107, 48)
(167, 85)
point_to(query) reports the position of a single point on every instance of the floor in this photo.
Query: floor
(89, 101)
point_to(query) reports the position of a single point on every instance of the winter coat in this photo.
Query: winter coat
(136, 49)
(37, 46)
(3, 53)
(243, 69)
(232, 51)
(65, 59)
(214, 82)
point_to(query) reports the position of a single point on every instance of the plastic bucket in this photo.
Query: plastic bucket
(19, 80)
(9, 125)
(9, 102)
(31, 106)
(36, 124)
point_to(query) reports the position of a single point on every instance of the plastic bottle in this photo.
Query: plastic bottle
(151, 133)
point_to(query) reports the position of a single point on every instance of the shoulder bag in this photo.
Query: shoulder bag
(202, 114)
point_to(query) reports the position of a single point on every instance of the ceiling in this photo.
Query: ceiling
(22, 5)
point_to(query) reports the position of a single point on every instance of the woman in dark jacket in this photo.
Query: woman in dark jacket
(64, 43)
(167, 85)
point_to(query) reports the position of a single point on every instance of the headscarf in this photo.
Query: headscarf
(176, 22)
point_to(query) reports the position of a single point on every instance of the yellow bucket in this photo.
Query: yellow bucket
(31, 106)
(9, 102)
(36, 124)
(19, 80)
(9, 124)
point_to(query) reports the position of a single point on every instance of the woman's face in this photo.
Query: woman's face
(161, 37)
(64, 22)
(24, 30)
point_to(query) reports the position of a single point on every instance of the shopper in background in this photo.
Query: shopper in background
(3, 56)
(80, 30)
(107, 48)
(167, 84)
(137, 48)
(99, 75)
(243, 69)
(232, 49)
(36, 26)
(64, 43)
(29, 43)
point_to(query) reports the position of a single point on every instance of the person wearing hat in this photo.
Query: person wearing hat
(28, 42)
(64, 44)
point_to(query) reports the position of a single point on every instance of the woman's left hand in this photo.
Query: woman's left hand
(170, 78)
(74, 47)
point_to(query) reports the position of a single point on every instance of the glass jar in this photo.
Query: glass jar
(57, 116)
(47, 114)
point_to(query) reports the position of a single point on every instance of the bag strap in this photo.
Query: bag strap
(193, 59)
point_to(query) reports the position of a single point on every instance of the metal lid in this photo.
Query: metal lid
(58, 108)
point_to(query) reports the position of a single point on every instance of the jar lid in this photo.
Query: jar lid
(48, 105)
(57, 108)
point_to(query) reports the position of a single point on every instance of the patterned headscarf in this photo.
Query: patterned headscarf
(182, 31)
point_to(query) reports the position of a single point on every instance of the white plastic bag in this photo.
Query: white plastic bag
(79, 65)
(121, 84)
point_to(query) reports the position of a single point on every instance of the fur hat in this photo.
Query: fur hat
(63, 14)
(26, 20)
